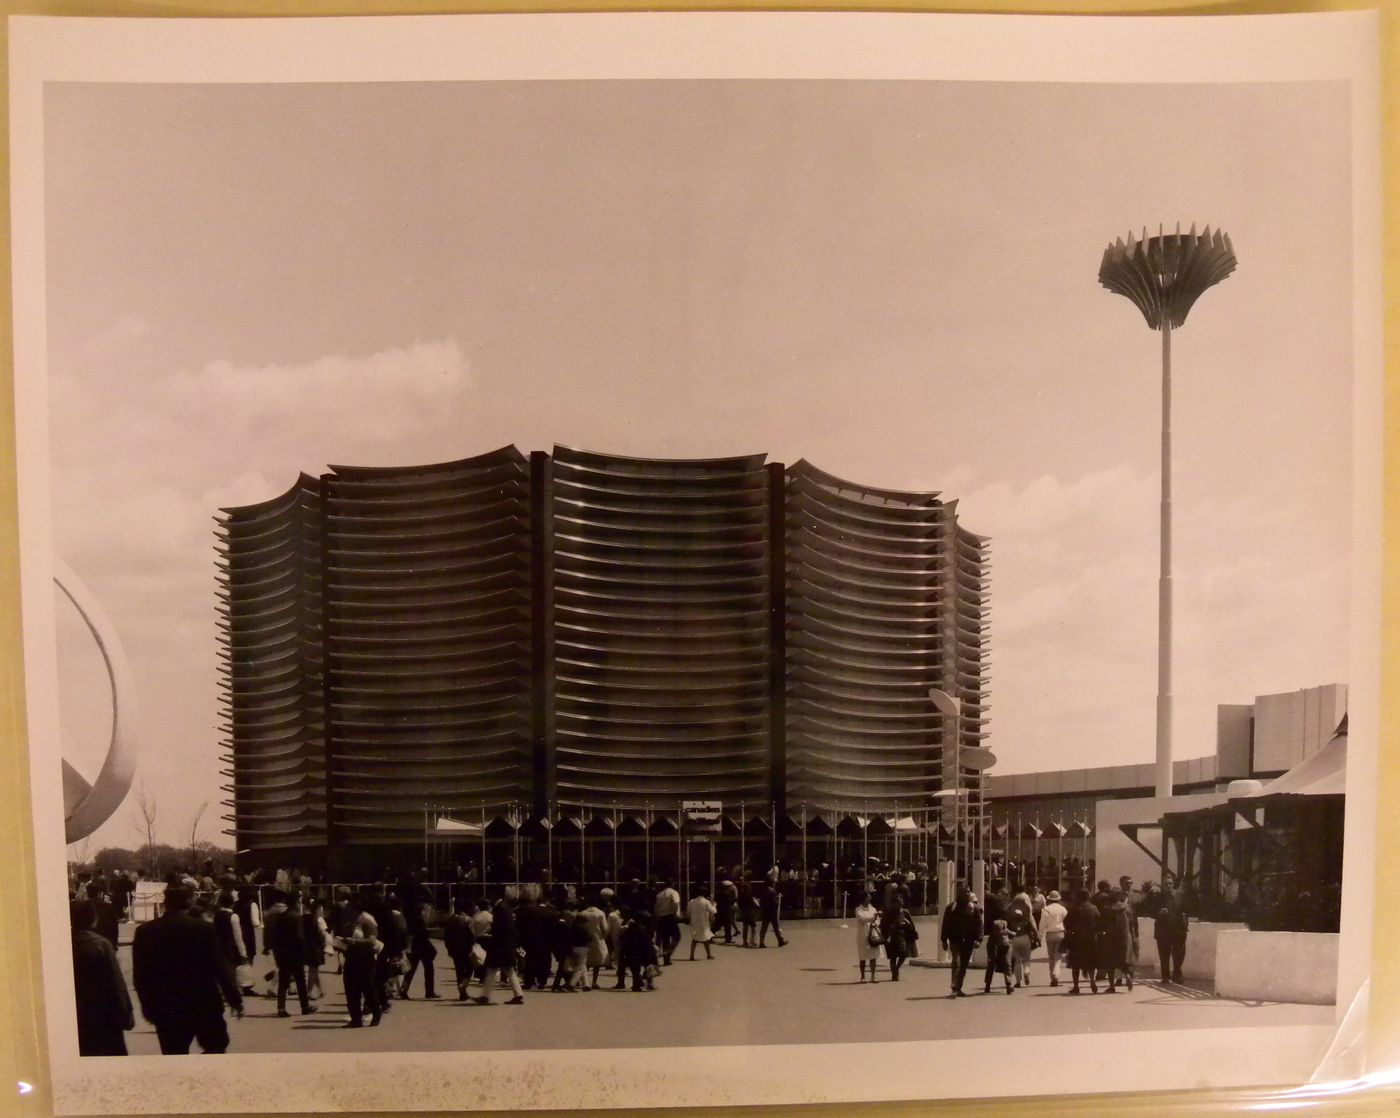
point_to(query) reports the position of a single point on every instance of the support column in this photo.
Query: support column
(1164, 581)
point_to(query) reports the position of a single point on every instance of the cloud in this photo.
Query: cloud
(379, 397)
(144, 459)
(1258, 609)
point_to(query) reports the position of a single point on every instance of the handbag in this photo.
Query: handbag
(875, 937)
(477, 955)
(653, 971)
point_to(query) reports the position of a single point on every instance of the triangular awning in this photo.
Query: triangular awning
(1055, 830)
(1029, 831)
(444, 826)
(1079, 829)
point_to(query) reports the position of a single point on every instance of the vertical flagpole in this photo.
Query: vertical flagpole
(743, 832)
(804, 857)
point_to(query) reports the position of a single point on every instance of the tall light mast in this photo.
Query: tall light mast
(1164, 276)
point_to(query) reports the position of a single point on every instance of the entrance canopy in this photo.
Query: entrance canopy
(444, 826)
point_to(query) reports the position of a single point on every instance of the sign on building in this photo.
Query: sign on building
(701, 817)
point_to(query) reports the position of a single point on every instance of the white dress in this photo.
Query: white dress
(701, 912)
(866, 915)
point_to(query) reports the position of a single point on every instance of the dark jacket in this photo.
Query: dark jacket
(501, 944)
(897, 926)
(1171, 923)
(287, 938)
(994, 910)
(226, 937)
(962, 923)
(1081, 932)
(178, 971)
(1115, 939)
(635, 946)
(104, 1006)
(457, 935)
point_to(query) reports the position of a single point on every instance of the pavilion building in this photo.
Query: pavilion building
(574, 642)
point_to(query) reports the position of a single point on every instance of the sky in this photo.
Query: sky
(894, 280)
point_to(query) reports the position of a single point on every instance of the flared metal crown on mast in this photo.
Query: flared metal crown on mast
(1165, 275)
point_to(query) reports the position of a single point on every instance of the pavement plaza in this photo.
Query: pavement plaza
(805, 993)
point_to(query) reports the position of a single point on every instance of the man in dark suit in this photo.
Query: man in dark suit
(182, 979)
(287, 938)
(104, 1007)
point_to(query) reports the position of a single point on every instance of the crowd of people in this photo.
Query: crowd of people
(211, 947)
(1094, 937)
(220, 940)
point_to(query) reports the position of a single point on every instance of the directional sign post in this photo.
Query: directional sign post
(701, 819)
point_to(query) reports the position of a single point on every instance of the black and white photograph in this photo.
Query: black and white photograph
(862, 530)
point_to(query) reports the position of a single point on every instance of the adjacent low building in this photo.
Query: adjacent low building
(1080, 813)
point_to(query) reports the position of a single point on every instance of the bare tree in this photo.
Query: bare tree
(78, 851)
(146, 808)
(194, 835)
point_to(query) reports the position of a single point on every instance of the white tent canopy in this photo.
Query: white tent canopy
(1322, 774)
(444, 826)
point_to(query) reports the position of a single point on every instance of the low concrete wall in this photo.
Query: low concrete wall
(1202, 948)
(1277, 966)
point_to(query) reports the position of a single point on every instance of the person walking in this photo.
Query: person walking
(535, 926)
(769, 911)
(578, 938)
(900, 934)
(616, 922)
(271, 917)
(107, 916)
(316, 934)
(500, 955)
(596, 921)
(245, 907)
(748, 913)
(667, 910)
(289, 952)
(1020, 924)
(637, 954)
(181, 980)
(726, 899)
(99, 990)
(420, 949)
(1052, 932)
(224, 932)
(1169, 929)
(1115, 942)
(1081, 941)
(457, 940)
(869, 939)
(700, 915)
(359, 947)
(998, 955)
(960, 932)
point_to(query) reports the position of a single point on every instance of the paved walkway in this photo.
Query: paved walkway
(806, 993)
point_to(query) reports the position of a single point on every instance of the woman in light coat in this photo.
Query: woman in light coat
(867, 917)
